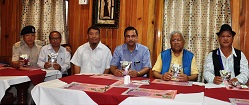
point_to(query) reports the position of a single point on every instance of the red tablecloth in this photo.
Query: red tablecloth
(224, 94)
(113, 96)
(36, 76)
(180, 89)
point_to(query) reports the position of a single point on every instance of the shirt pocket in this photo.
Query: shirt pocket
(84, 59)
(60, 59)
(98, 60)
(137, 64)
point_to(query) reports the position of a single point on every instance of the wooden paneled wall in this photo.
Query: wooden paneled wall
(10, 13)
(240, 23)
(244, 27)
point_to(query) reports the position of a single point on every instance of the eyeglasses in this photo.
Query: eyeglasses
(176, 40)
(55, 39)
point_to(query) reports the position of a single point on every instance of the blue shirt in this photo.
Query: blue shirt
(140, 57)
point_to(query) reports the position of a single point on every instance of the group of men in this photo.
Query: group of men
(95, 57)
(39, 55)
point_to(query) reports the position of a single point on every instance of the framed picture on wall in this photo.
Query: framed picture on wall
(105, 13)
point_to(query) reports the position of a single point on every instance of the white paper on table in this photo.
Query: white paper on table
(199, 83)
(211, 85)
(180, 99)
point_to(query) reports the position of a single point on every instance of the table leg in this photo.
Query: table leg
(8, 99)
(22, 92)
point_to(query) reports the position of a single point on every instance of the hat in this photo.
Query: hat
(27, 30)
(226, 27)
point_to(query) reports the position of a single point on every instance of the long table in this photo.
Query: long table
(22, 82)
(52, 93)
(219, 95)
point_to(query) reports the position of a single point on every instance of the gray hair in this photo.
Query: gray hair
(178, 32)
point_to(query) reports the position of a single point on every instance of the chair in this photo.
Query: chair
(8, 98)
(40, 42)
(5, 60)
(150, 74)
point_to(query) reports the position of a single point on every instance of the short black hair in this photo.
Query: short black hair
(54, 32)
(130, 28)
(92, 27)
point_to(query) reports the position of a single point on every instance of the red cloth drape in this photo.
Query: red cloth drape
(36, 76)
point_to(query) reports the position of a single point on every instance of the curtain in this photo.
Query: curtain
(45, 16)
(199, 21)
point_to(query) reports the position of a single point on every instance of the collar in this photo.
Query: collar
(51, 48)
(99, 46)
(173, 52)
(23, 43)
(221, 53)
(125, 47)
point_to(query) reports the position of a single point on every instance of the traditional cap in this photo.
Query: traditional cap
(226, 27)
(27, 30)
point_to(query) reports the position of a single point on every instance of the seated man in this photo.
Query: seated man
(133, 52)
(28, 46)
(54, 56)
(93, 56)
(226, 58)
(177, 55)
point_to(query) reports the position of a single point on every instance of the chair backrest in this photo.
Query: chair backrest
(150, 74)
(40, 42)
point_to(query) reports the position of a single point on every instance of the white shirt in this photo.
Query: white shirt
(228, 64)
(63, 58)
(92, 61)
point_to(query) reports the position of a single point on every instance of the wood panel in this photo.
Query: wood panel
(158, 29)
(10, 27)
(240, 24)
(235, 6)
(244, 26)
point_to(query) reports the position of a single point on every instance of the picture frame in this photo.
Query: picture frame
(105, 13)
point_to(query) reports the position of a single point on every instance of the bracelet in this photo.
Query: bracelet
(138, 73)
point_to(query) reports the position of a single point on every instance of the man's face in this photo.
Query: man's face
(131, 37)
(93, 36)
(29, 38)
(177, 42)
(225, 39)
(55, 39)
